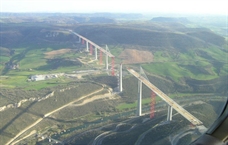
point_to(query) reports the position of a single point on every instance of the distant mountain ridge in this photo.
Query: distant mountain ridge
(151, 35)
(154, 36)
(170, 19)
(58, 20)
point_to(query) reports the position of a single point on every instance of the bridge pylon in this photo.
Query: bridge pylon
(121, 78)
(101, 57)
(113, 66)
(169, 113)
(87, 46)
(139, 107)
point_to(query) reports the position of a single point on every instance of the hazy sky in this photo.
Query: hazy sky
(141, 6)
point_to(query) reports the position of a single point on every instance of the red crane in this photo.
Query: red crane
(83, 41)
(91, 49)
(113, 65)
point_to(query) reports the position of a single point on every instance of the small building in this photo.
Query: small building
(38, 77)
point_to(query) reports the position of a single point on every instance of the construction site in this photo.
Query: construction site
(162, 115)
(110, 84)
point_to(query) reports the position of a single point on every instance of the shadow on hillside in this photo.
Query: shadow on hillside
(9, 135)
(15, 59)
(2, 130)
(31, 112)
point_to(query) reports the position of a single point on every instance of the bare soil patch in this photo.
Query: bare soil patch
(132, 56)
(53, 53)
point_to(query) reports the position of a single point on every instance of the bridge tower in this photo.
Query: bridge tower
(101, 57)
(121, 78)
(152, 111)
(139, 107)
(87, 46)
(169, 114)
(112, 66)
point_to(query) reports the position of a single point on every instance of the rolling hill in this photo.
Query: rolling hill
(182, 62)
(152, 36)
(178, 51)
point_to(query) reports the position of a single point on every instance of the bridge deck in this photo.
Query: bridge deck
(168, 100)
(94, 44)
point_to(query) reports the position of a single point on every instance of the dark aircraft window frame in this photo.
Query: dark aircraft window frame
(217, 134)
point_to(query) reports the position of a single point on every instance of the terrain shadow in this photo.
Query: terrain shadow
(17, 116)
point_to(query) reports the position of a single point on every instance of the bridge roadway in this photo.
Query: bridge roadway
(168, 100)
(94, 44)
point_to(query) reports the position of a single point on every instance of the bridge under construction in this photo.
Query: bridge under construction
(142, 80)
(93, 47)
(168, 100)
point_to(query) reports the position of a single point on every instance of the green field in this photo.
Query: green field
(4, 59)
(33, 59)
(33, 62)
(200, 64)
(124, 106)
(115, 50)
(174, 71)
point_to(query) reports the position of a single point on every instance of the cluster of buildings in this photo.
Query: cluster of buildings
(44, 77)
(53, 34)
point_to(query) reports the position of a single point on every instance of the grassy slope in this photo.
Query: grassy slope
(200, 64)
(32, 56)
(30, 62)
(197, 63)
